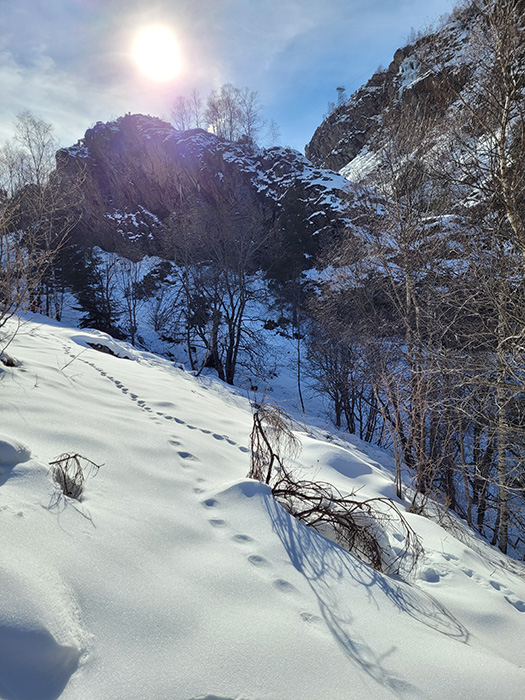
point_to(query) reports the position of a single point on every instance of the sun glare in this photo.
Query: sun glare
(157, 54)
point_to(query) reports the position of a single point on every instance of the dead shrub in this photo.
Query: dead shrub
(361, 526)
(70, 472)
(8, 361)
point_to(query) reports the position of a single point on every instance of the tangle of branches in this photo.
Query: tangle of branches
(360, 526)
(70, 471)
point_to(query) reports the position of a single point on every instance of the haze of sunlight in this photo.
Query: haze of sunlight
(156, 53)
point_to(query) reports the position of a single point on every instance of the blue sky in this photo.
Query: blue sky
(70, 61)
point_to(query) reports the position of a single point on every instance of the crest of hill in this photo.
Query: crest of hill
(140, 174)
(429, 73)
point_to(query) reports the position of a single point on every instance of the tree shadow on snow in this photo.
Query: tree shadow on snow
(325, 565)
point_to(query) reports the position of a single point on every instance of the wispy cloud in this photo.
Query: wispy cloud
(70, 62)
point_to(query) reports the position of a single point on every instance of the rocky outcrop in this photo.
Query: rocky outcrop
(138, 173)
(430, 72)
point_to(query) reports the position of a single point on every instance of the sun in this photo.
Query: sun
(157, 54)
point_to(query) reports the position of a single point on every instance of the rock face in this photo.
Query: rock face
(432, 71)
(139, 172)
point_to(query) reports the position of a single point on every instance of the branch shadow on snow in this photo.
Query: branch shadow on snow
(325, 565)
(58, 503)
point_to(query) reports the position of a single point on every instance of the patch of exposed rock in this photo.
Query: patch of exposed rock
(429, 73)
(138, 173)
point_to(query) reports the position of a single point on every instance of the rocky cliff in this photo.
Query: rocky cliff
(138, 172)
(428, 73)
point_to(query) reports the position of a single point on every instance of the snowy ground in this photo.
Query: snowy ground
(177, 578)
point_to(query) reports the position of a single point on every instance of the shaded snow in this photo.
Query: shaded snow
(362, 165)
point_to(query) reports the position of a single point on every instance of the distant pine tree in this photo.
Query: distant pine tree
(94, 289)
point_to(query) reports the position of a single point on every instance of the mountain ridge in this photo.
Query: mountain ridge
(430, 71)
(139, 171)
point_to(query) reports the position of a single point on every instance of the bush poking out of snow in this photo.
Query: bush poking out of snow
(70, 472)
(8, 361)
(361, 526)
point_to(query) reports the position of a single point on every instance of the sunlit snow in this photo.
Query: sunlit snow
(177, 578)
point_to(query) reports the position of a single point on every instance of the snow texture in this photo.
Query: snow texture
(177, 578)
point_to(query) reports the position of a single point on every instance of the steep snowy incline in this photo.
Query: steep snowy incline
(176, 577)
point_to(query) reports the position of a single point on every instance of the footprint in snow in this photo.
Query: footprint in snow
(210, 503)
(256, 560)
(284, 586)
(187, 460)
(311, 619)
(243, 449)
(187, 455)
(218, 437)
(242, 539)
(217, 522)
(449, 557)
(518, 604)
(430, 575)
(198, 490)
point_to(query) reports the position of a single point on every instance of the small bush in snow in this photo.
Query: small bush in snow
(70, 471)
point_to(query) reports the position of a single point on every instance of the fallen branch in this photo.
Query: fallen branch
(361, 526)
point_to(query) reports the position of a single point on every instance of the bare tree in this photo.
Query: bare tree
(359, 525)
(234, 113)
(274, 133)
(230, 112)
(445, 340)
(216, 253)
(486, 172)
(250, 121)
(196, 109)
(35, 138)
(130, 277)
(187, 111)
(181, 113)
(35, 218)
(12, 168)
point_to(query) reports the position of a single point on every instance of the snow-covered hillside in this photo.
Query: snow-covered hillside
(177, 578)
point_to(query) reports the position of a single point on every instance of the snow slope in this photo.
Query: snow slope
(177, 578)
